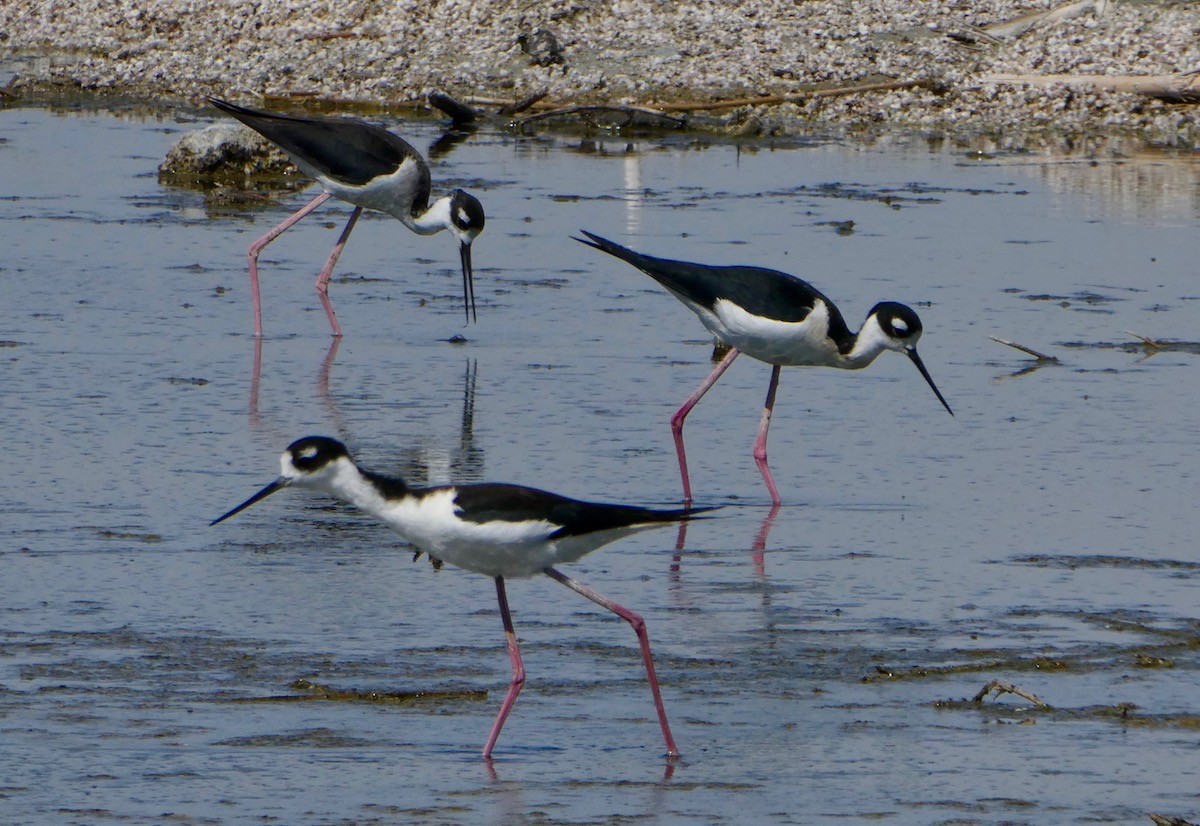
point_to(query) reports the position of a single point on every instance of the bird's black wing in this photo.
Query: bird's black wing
(763, 292)
(514, 503)
(350, 151)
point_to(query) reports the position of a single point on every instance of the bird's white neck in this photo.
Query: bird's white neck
(346, 482)
(433, 220)
(868, 344)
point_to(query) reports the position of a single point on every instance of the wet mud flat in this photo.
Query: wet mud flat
(818, 662)
(134, 724)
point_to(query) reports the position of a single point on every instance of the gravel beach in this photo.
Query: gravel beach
(635, 52)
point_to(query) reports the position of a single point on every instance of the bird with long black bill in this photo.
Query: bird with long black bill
(499, 530)
(367, 166)
(776, 318)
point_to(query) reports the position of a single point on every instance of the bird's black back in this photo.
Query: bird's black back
(767, 293)
(513, 503)
(347, 150)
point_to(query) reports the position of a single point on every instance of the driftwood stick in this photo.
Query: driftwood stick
(516, 107)
(658, 109)
(6, 91)
(1149, 342)
(582, 110)
(1017, 26)
(1161, 820)
(1007, 688)
(484, 101)
(1177, 88)
(460, 114)
(1024, 349)
(800, 97)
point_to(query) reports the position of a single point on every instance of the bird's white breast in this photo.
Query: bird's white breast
(495, 548)
(392, 193)
(787, 343)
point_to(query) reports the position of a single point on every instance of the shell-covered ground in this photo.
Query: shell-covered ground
(630, 51)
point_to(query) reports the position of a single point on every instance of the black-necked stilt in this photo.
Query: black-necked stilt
(368, 166)
(499, 530)
(776, 318)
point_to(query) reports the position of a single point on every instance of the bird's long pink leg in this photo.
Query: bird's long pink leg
(685, 409)
(760, 444)
(323, 277)
(639, 627)
(258, 246)
(518, 671)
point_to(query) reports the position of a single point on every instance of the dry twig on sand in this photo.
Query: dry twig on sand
(1010, 29)
(1177, 88)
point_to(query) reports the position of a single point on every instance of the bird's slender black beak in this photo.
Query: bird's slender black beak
(464, 251)
(912, 354)
(278, 484)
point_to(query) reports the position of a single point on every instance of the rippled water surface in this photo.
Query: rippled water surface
(817, 662)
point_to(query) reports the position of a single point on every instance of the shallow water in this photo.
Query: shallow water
(1044, 536)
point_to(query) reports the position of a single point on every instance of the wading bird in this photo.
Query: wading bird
(368, 166)
(773, 317)
(498, 530)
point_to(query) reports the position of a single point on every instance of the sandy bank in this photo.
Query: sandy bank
(631, 51)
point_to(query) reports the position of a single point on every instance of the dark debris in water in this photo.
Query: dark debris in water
(553, 283)
(840, 227)
(320, 738)
(1183, 634)
(315, 691)
(360, 279)
(1127, 714)
(1016, 663)
(1088, 298)
(1170, 820)
(1143, 345)
(1072, 562)
(1151, 661)
(999, 687)
(129, 536)
(893, 197)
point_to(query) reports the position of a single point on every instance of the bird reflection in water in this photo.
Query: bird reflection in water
(433, 462)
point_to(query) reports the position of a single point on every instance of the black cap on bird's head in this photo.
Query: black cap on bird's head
(466, 213)
(312, 453)
(898, 321)
(902, 329)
